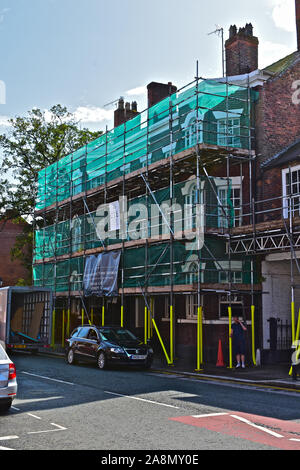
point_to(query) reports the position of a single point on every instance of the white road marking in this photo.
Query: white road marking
(8, 438)
(14, 408)
(142, 399)
(210, 415)
(48, 378)
(295, 440)
(246, 421)
(5, 448)
(60, 428)
(33, 416)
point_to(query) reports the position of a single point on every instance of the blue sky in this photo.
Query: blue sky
(84, 54)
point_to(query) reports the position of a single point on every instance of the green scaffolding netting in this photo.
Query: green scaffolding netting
(151, 266)
(144, 217)
(209, 112)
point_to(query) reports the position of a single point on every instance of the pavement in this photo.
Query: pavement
(275, 375)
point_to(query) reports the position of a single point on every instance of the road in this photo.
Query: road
(62, 407)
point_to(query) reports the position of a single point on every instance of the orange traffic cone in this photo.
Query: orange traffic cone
(220, 361)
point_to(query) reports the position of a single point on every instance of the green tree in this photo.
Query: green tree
(32, 143)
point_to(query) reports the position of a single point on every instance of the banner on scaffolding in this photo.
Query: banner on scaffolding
(101, 274)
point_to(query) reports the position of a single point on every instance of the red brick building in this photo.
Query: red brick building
(10, 271)
(274, 235)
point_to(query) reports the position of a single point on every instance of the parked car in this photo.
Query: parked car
(106, 346)
(8, 381)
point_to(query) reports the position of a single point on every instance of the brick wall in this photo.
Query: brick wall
(277, 127)
(277, 117)
(10, 271)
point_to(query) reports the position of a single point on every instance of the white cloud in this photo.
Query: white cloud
(87, 114)
(270, 52)
(93, 114)
(139, 91)
(4, 121)
(283, 14)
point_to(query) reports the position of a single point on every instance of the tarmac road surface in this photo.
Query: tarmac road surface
(62, 407)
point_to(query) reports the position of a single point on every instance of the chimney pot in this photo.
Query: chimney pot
(159, 91)
(241, 51)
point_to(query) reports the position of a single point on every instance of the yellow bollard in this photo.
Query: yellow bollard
(146, 325)
(293, 320)
(199, 339)
(253, 334)
(122, 316)
(103, 315)
(230, 338)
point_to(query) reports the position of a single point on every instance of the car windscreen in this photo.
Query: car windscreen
(3, 355)
(117, 335)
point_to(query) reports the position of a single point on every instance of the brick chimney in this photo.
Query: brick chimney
(159, 91)
(124, 112)
(298, 22)
(241, 51)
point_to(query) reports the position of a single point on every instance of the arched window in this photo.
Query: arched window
(193, 130)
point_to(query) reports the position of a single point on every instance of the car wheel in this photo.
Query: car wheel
(4, 407)
(71, 357)
(101, 361)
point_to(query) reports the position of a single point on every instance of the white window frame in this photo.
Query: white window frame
(234, 301)
(226, 135)
(286, 197)
(236, 183)
(236, 268)
(193, 125)
(191, 306)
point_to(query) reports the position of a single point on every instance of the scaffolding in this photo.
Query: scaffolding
(171, 170)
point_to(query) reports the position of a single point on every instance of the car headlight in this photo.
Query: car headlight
(116, 350)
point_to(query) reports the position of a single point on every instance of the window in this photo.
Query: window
(166, 306)
(93, 335)
(193, 133)
(229, 132)
(83, 332)
(291, 191)
(75, 333)
(236, 303)
(225, 267)
(192, 306)
(230, 211)
(76, 233)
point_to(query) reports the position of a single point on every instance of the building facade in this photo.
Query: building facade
(166, 222)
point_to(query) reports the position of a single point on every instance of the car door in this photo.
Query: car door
(80, 343)
(91, 344)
